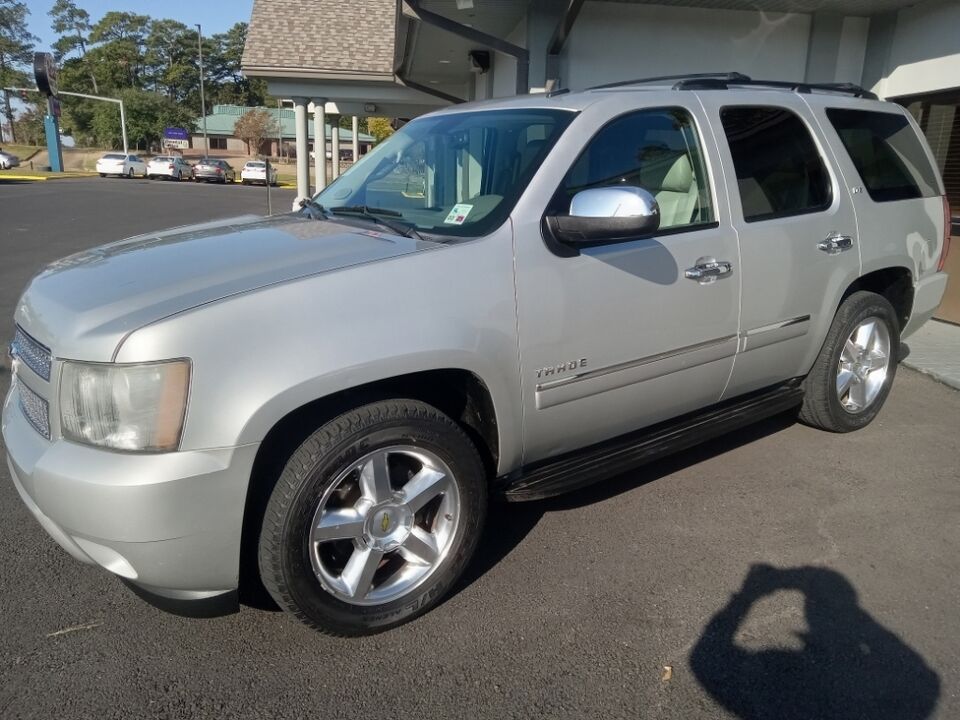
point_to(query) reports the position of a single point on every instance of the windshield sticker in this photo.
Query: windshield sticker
(458, 214)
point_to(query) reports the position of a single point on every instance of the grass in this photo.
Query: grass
(24, 152)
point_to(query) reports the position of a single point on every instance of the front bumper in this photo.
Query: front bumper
(927, 295)
(169, 523)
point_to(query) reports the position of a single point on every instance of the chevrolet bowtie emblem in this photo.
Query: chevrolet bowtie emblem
(385, 522)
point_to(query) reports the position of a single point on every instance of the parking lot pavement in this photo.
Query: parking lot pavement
(779, 573)
(41, 222)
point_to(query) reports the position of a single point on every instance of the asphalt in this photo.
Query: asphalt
(778, 573)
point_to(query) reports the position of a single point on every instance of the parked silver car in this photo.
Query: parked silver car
(324, 402)
(214, 170)
(169, 167)
(8, 160)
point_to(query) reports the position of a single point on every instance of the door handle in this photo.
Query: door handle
(835, 243)
(707, 270)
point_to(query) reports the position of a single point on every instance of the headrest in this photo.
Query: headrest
(668, 172)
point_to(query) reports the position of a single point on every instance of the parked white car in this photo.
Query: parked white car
(169, 167)
(8, 160)
(255, 171)
(122, 165)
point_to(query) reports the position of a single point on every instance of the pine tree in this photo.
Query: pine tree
(16, 51)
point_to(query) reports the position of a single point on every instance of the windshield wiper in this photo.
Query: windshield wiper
(373, 214)
(314, 209)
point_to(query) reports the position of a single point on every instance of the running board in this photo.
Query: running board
(610, 458)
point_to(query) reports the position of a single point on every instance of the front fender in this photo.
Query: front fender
(260, 355)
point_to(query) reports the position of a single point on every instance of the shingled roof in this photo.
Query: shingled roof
(322, 37)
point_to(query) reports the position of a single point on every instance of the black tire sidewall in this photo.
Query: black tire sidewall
(862, 306)
(301, 584)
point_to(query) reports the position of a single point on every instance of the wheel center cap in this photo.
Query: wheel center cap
(388, 525)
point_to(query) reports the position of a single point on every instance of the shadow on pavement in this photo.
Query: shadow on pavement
(509, 523)
(848, 666)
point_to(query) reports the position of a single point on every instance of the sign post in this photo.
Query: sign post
(45, 73)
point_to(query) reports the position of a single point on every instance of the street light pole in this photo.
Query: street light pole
(203, 102)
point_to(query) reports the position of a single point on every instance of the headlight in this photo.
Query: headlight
(137, 408)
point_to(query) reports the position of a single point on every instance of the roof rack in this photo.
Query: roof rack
(723, 81)
(727, 76)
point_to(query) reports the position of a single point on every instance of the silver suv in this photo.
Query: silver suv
(509, 299)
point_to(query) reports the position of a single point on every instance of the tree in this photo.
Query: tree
(380, 128)
(73, 25)
(254, 127)
(16, 51)
(30, 126)
(122, 39)
(148, 113)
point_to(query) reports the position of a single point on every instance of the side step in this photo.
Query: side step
(581, 468)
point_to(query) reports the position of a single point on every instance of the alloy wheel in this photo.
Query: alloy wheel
(385, 525)
(864, 365)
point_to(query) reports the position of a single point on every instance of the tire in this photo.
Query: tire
(298, 574)
(103, 174)
(244, 182)
(130, 174)
(867, 372)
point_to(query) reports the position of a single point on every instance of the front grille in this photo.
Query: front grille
(35, 408)
(31, 353)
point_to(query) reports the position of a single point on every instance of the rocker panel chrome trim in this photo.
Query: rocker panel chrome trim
(774, 332)
(552, 393)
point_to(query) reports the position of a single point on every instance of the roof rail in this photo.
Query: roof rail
(722, 81)
(727, 76)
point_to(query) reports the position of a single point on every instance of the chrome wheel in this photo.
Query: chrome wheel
(864, 365)
(384, 525)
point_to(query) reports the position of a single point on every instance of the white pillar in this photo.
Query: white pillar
(356, 139)
(335, 145)
(319, 143)
(303, 154)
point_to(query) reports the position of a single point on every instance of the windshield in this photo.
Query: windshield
(256, 165)
(114, 157)
(163, 159)
(454, 174)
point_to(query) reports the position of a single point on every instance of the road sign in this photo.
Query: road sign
(176, 143)
(175, 133)
(45, 73)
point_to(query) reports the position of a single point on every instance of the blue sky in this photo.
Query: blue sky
(214, 15)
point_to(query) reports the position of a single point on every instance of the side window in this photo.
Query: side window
(657, 150)
(779, 168)
(887, 153)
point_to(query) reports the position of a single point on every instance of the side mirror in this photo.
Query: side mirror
(607, 214)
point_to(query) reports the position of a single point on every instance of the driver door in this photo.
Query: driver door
(616, 336)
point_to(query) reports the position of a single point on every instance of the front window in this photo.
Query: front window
(454, 174)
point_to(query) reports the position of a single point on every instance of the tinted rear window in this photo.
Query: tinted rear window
(887, 153)
(114, 157)
(779, 168)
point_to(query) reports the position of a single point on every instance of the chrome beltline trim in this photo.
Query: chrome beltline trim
(600, 372)
(777, 325)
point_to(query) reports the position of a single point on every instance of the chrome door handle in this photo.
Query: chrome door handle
(707, 270)
(835, 243)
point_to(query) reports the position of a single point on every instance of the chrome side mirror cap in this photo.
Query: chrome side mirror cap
(607, 214)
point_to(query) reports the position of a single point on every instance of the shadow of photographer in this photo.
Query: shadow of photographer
(848, 665)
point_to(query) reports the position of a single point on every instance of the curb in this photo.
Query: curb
(43, 178)
(947, 380)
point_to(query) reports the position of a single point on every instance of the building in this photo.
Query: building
(402, 58)
(221, 136)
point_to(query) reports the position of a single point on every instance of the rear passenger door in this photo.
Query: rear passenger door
(796, 226)
(897, 192)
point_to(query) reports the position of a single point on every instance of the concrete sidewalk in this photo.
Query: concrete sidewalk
(935, 350)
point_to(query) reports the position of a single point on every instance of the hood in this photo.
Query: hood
(84, 305)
